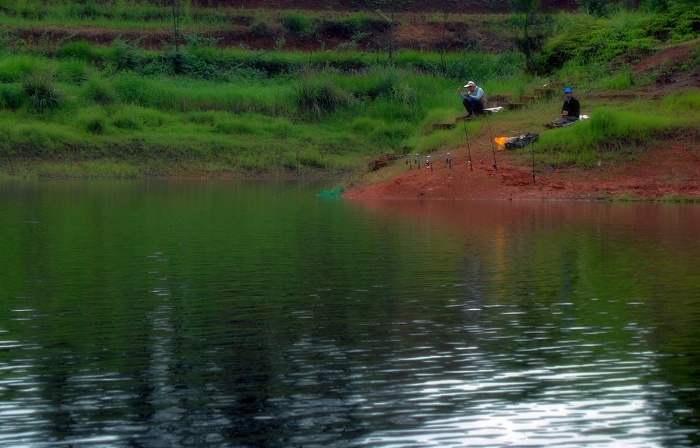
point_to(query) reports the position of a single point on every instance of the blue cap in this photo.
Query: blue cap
(568, 90)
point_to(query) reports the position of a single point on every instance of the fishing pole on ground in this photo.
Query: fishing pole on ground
(469, 151)
(488, 123)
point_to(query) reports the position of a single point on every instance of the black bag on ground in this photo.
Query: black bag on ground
(522, 141)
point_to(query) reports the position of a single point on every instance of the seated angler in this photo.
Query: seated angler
(472, 99)
(570, 111)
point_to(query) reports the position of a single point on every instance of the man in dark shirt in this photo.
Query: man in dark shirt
(570, 111)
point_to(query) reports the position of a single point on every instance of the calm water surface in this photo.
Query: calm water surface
(257, 314)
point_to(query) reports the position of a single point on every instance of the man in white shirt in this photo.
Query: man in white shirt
(472, 99)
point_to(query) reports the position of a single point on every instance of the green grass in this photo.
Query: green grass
(687, 103)
(608, 135)
(118, 110)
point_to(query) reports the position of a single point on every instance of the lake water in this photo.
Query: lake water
(258, 314)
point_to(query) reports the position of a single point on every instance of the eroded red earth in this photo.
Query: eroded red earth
(671, 170)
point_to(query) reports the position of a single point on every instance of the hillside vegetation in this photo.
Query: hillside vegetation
(130, 89)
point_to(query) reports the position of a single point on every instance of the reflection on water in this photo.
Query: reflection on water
(257, 314)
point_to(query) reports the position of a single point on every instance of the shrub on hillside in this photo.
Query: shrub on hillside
(590, 40)
(199, 63)
(124, 56)
(681, 23)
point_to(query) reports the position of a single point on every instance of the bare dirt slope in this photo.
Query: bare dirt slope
(669, 169)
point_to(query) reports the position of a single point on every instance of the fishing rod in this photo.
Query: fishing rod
(287, 191)
(469, 151)
(533, 161)
(488, 123)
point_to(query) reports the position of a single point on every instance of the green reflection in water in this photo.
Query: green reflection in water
(248, 310)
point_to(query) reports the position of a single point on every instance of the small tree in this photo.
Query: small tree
(390, 22)
(447, 7)
(594, 7)
(177, 8)
(393, 6)
(535, 29)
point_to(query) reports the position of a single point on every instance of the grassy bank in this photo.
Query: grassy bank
(68, 110)
(77, 109)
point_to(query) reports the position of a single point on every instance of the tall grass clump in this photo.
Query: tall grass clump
(316, 97)
(14, 68)
(186, 95)
(93, 120)
(81, 50)
(296, 23)
(41, 92)
(620, 81)
(684, 103)
(134, 89)
(72, 71)
(99, 90)
(124, 56)
(478, 66)
(11, 96)
(135, 118)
